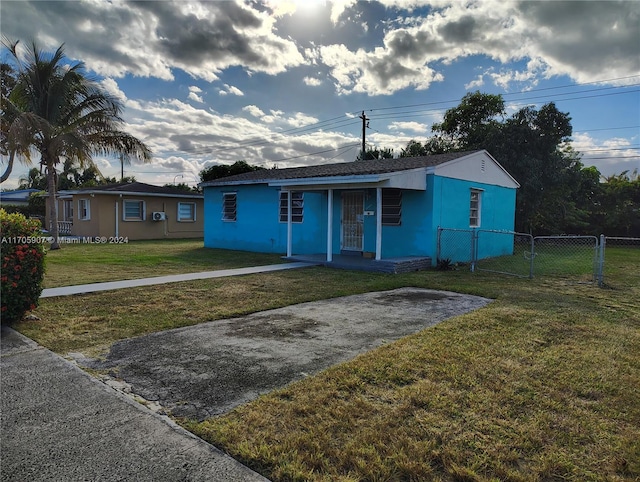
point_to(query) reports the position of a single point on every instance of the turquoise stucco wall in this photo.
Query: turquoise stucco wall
(451, 210)
(257, 227)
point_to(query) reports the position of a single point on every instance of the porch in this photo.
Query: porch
(389, 265)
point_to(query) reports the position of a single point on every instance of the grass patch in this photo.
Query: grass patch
(542, 384)
(90, 263)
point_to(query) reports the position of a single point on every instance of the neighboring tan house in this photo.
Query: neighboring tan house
(132, 210)
(380, 209)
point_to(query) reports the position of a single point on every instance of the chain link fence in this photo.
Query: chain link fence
(609, 261)
(570, 257)
(505, 252)
(619, 265)
(455, 246)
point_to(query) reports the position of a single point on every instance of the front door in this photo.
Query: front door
(352, 221)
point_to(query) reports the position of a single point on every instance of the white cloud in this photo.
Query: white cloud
(195, 97)
(112, 88)
(585, 40)
(312, 81)
(474, 84)
(230, 89)
(254, 110)
(408, 126)
(610, 156)
(149, 39)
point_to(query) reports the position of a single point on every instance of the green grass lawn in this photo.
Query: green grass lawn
(90, 263)
(542, 384)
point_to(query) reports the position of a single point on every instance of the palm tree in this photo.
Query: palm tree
(64, 114)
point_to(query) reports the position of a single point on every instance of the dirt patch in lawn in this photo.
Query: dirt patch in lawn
(208, 369)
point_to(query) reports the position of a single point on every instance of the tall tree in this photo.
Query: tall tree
(33, 180)
(223, 170)
(8, 112)
(471, 123)
(375, 153)
(64, 114)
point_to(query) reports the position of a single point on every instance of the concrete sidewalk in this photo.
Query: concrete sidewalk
(59, 423)
(132, 283)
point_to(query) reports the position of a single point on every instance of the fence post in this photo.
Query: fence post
(532, 256)
(600, 273)
(438, 236)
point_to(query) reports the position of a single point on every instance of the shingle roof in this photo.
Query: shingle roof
(137, 187)
(377, 166)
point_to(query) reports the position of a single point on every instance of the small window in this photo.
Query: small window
(133, 210)
(186, 212)
(474, 210)
(68, 210)
(297, 207)
(84, 209)
(391, 207)
(229, 206)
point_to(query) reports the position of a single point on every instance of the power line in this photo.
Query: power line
(346, 121)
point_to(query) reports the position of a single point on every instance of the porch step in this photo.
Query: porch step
(390, 265)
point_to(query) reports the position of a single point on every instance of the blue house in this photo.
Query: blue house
(381, 209)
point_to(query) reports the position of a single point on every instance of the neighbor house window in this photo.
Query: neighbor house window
(297, 207)
(391, 207)
(133, 210)
(186, 211)
(67, 212)
(474, 209)
(84, 209)
(229, 206)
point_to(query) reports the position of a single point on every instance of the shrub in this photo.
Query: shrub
(22, 255)
(444, 264)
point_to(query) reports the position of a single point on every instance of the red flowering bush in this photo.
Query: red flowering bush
(22, 257)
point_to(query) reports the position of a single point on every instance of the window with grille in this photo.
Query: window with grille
(229, 206)
(474, 210)
(391, 207)
(186, 212)
(297, 207)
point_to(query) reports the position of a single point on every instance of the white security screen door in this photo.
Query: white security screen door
(352, 221)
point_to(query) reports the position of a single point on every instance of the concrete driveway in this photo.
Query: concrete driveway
(208, 369)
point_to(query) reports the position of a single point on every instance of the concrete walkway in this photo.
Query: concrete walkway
(132, 283)
(59, 423)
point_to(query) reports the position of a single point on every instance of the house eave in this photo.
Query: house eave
(129, 193)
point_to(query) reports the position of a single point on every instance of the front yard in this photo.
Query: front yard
(542, 384)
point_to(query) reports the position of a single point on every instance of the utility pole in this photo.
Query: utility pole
(365, 124)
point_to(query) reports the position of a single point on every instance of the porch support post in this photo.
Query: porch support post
(329, 225)
(289, 226)
(378, 223)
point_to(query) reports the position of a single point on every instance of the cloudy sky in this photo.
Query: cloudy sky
(283, 82)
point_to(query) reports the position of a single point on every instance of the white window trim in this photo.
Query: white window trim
(478, 222)
(188, 220)
(88, 205)
(143, 214)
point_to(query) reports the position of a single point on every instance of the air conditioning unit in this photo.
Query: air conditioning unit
(159, 216)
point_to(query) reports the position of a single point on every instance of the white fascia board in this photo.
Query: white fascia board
(414, 179)
(329, 180)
